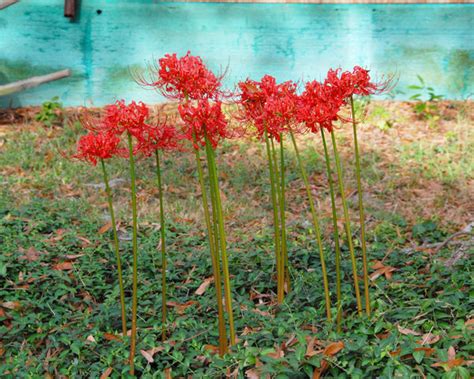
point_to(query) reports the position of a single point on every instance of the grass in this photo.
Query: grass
(59, 309)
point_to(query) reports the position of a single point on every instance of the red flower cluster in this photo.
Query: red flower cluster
(318, 106)
(120, 118)
(346, 84)
(320, 103)
(204, 119)
(158, 137)
(93, 147)
(268, 106)
(185, 78)
(189, 81)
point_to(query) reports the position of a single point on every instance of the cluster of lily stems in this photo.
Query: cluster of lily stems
(214, 220)
(203, 144)
(277, 181)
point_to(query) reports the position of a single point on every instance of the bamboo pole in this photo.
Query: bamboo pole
(32, 82)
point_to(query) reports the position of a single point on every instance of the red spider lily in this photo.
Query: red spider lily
(93, 147)
(185, 78)
(358, 82)
(158, 137)
(204, 119)
(268, 106)
(319, 105)
(120, 118)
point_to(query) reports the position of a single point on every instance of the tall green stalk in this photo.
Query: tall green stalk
(133, 341)
(276, 227)
(284, 246)
(276, 171)
(347, 223)
(163, 248)
(361, 213)
(222, 237)
(336, 235)
(116, 247)
(214, 257)
(317, 228)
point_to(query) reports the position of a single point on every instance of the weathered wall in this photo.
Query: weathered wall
(290, 41)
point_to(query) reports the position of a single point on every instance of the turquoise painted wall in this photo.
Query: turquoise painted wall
(290, 41)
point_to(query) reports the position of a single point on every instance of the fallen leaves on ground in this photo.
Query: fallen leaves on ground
(381, 269)
(63, 266)
(406, 331)
(31, 255)
(13, 305)
(148, 354)
(181, 308)
(451, 362)
(204, 285)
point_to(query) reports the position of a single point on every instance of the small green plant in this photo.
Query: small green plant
(51, 112)
(425, 101)
(381, 117)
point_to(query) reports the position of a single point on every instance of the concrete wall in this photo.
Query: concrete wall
(290, 41)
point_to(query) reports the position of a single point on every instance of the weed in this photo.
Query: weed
(50, 113)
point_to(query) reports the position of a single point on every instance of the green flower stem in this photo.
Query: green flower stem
(336, 235)
(133, 342)
(116, 247)
(163, 248)
(275, 218)
(214, 257)
(282, 242)
(317, 228)
(361, 213)
(347, 223)
(284, 247)
(214, 182)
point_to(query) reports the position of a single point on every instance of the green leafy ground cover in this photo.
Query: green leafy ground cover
(59, 310)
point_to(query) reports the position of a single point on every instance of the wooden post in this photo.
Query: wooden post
(70, 9)
(21, 85)
(6, 3)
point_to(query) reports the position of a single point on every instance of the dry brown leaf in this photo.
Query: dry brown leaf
(72, 257)
(104, 228)
(148, 354)
(262, 313)
(449, 364)
(310, 352)
(277, 354)
(181, 308)
(168, 373)
(395, 353)
(406, 331)
(428, 350)
(333, 348)
(319, 371)
(14, 305)
(31, 254)
(63, 266)
(469, 324)
(111, 337)
(85, 241)
(252, 374)
(451, 353)
(429, 339)
(381, 269)
(212, 348)
(204, 285)
(106, 373)
(383, 336)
